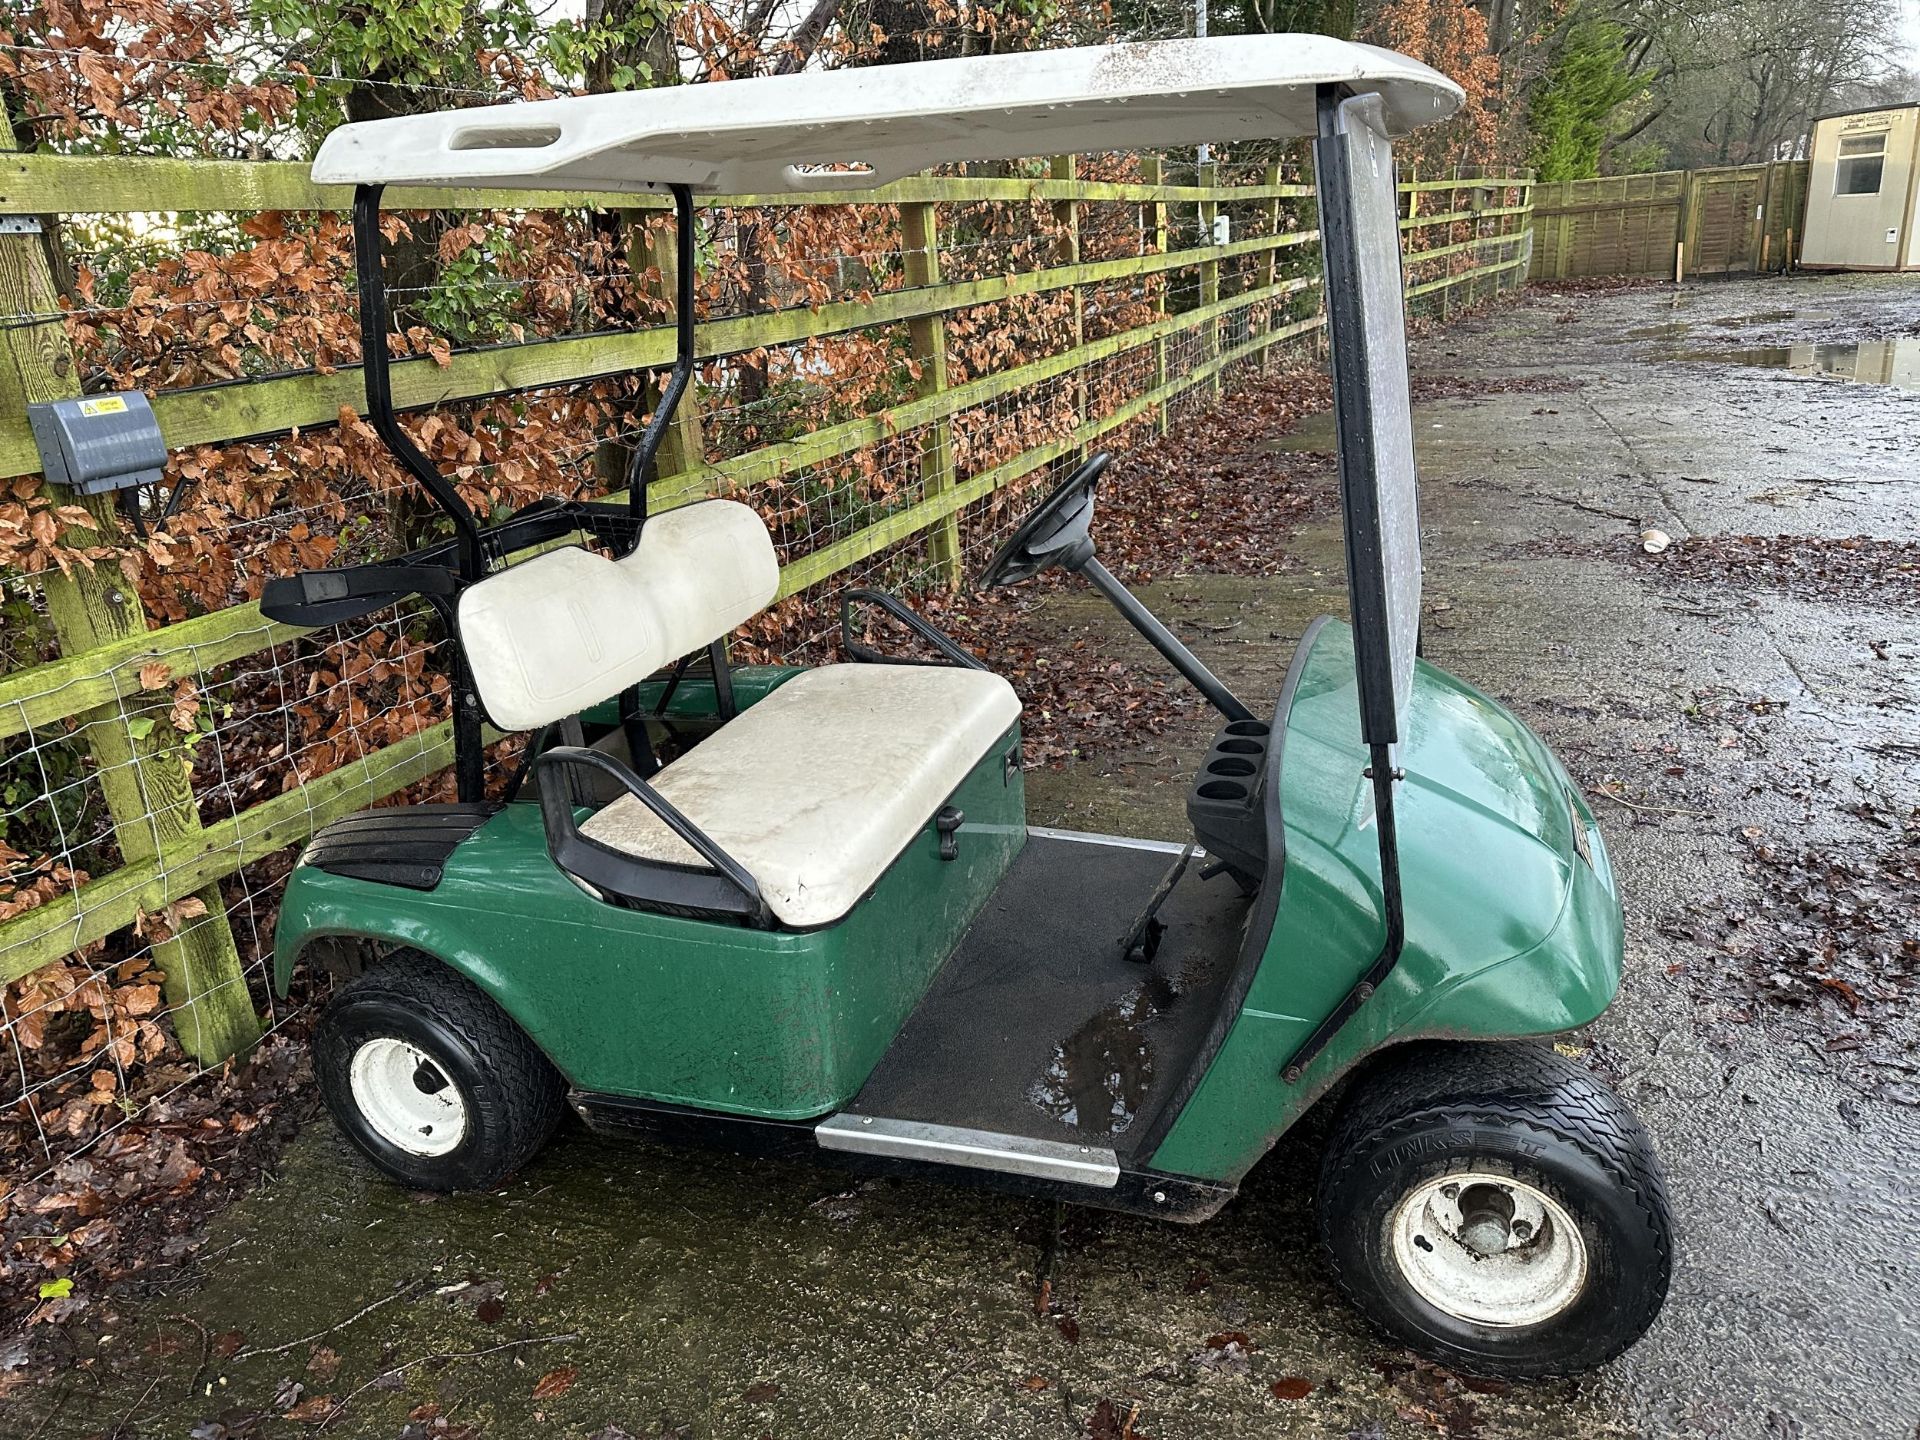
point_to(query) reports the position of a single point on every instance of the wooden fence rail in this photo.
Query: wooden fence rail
(112, 664)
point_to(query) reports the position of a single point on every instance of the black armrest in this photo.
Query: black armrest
(906, 615)
(327, 597)
(727, 889)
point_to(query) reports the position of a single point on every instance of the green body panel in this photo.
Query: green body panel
(1509, 932)
(783, 1024)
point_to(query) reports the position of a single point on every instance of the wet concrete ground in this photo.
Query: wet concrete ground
(672, 1293)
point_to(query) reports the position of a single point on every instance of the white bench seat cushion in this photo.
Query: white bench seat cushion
(570, 628)
(818, 787)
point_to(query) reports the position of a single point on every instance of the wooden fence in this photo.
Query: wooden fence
(102, 693)
(1736, 219)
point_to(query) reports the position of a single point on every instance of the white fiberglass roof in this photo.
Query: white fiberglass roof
(772, 134)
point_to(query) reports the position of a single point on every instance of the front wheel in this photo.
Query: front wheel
(1496, 1208)
(431, 1079)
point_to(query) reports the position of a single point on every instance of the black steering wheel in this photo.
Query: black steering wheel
(1055, 533)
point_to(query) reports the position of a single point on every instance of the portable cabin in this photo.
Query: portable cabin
(1863, 192)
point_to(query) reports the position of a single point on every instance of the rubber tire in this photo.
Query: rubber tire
(1426, 1110)
(514, 1096)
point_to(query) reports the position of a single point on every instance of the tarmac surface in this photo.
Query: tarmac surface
(669, 1293)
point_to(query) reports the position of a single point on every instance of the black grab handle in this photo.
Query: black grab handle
(726, 889)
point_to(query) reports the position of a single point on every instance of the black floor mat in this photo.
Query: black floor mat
(1037, 1026)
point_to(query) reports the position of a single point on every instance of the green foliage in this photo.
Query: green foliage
(472, 301)
(610, 50)
(408, 42)
(1642, 159)
(1586, 83)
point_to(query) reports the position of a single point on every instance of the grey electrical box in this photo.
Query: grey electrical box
(98, 443)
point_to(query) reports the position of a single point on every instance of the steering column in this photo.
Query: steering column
(1058, 532)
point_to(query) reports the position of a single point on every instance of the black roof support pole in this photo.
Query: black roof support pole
(1353, 403)
(640, 467)
(374, 366)
(469, 749)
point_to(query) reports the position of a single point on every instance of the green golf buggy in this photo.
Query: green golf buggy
(800, 911)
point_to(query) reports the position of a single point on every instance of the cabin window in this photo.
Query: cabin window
(1862, 158)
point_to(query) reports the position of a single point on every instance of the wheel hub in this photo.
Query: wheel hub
(406, 1098)
(1488, 1249)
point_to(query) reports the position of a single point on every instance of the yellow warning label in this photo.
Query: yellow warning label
(105, 405)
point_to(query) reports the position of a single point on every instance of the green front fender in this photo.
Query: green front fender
(1510, 930)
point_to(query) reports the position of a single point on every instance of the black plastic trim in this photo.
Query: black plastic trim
(1353, 409)
(407, 846)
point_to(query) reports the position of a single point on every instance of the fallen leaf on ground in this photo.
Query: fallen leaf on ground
(556, 1382)
(314, 1407)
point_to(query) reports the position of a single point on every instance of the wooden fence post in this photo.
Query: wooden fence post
(1153, 171)
(1409, 239)
(1563, 253)
(1209, 210)
(1686, 224)
(140, 758)
(920, 257)
(1066, 214)
(1269, 273)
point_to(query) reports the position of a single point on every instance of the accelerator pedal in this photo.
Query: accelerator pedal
(1143, 940)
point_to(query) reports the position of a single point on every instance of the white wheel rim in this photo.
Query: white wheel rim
(407, 1098)
(1488, 1249)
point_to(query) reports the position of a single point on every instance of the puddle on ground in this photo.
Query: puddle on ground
(1313, 435)
(1679, 329)
(1874, 362)
(1772, 317)
(1099, 1074)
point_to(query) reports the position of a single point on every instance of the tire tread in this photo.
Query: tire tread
(1514, 1085)
(520, 1083)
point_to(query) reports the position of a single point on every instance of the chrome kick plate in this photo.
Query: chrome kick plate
(972, 1149)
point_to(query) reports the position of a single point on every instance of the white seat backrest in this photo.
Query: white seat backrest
(570, 628)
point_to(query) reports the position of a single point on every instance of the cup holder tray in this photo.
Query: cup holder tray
(1225, 804)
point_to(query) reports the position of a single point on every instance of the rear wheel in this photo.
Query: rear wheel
(1497, 1208)
(431, 1079)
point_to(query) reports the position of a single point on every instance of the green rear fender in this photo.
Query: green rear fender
(775, 1023)
(1511, 932)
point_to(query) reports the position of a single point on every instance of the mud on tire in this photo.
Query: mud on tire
(412, 1018)
(1509, 1120)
